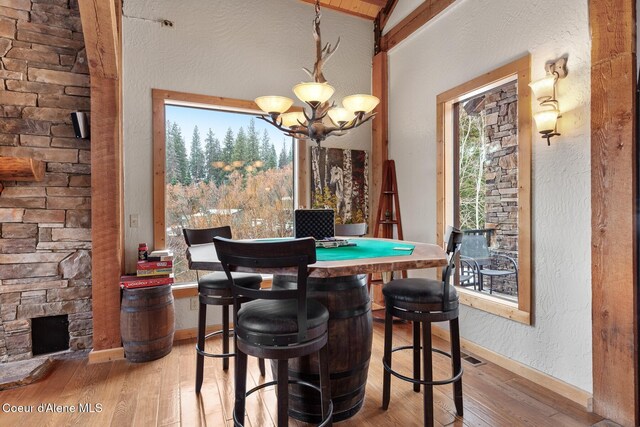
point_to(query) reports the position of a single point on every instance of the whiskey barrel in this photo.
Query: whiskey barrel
(349, 345)
(147, 322)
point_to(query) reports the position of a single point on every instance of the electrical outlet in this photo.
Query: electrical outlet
(193, 304)
(134, 220)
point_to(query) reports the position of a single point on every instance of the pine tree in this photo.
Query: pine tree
(290, 151)
(212, 153)
(196, 163)
(240, 148)
(266, 149)
(228, 147)
(182, 162)
(253, 142)
(283, 159)
(171, 169)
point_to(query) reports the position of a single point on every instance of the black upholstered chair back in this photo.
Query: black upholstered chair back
(199, 236)
(269, 257)
(453, 247)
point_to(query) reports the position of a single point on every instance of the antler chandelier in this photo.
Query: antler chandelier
(355, 111)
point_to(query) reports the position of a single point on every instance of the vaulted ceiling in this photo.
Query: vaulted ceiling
(363, 8)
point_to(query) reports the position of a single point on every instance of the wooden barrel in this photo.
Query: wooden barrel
(350, 338)
(147, 322)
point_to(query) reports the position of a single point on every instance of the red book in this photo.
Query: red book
(131, 282)
(153, 265)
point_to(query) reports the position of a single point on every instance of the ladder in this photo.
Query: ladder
(387, 218)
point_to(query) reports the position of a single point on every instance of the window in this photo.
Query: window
(216, 164)
(484, 166)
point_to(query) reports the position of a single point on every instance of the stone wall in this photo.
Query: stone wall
(45, 234)
(501, 178)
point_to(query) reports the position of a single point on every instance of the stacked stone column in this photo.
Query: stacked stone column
(45, 227)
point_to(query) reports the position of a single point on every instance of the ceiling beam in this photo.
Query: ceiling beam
(416, 19)
(342, 9)
(379, 3)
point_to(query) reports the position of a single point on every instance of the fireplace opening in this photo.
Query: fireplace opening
(49, 334)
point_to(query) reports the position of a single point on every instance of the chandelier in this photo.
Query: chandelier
(323, 118)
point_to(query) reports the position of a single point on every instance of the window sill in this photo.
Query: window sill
(493, 305)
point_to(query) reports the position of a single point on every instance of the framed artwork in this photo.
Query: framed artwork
(340, 181)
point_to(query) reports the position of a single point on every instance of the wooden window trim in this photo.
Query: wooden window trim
(522, 311)
(160, 98)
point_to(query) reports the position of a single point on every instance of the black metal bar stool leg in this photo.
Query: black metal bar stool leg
(261, 366)
(456, 363)
(283, 392)
(416, 355)
(241, 387)
(225, 336)
(428, 374)
(386, 382)
(202, 322)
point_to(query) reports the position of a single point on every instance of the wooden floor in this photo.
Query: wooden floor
(161, 393)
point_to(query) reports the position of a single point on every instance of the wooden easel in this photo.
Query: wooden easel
(387, 217)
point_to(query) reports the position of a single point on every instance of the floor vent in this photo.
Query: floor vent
(473, 360)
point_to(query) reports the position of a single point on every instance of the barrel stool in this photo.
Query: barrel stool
(215, 289)
(423, 301)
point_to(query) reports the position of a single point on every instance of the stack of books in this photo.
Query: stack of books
(155, 271)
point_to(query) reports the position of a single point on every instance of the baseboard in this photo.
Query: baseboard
(573, 393)
(108, 355)
(185, 334)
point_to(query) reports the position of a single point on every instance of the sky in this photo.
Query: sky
(219, 121)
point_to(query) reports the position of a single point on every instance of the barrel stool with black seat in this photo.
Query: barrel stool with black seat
(215, 289)
(277, 324)
(423, 301)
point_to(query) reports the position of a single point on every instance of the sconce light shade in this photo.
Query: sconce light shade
(313, 93)
(340, 116)
(543, 88)
(274, 104)
(292, 119)
(360, 103)
(546, 120)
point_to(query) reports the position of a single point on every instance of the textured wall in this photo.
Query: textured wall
(470, 38)
(239, 49)
(45, 258)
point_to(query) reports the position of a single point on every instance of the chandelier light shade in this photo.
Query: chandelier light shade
(311, 123)
(292, 119)
(313, 93)
(274, 104)
(341, 116)
(360, 103)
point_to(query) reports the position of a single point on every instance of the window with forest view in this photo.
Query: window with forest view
(224, 168)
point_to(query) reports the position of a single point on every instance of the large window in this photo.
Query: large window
(217, 164)
(484, 170)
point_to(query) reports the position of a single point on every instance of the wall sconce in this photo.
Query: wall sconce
(545, 92)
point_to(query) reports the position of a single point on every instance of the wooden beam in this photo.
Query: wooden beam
(613, 207)
(100, 28)
(379, 3)
(416, 19)
(100, 23)
(341, 9)
(380, 129)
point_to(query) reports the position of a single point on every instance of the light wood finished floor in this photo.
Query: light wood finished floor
(161, 393)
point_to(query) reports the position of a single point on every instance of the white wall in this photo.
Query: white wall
(470, 38)
(238, 49)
